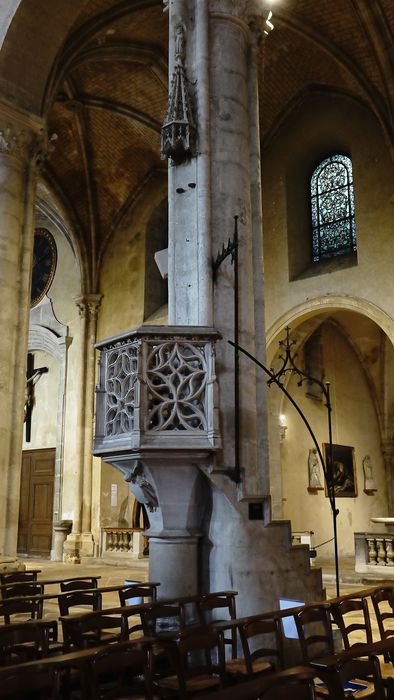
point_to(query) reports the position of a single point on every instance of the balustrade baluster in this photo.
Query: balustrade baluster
(372, 551)
(381, 551)
(389, 551)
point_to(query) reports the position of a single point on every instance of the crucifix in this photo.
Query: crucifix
(32, 376)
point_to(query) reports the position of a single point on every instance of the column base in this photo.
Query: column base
(87, 545)
(71, 549)
(61, 529)
(10, 564)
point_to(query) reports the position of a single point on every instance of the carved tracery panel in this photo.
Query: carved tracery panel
(176, 379)
(120, 387)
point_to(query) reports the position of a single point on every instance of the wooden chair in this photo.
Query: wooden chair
(344, 670)
(77, 599)
(314, 631)
(145, 591)
(343, 614)
(36, 682)
(28, 608)
(384, 597)
(78, 584)
(210, 608)
(191, 658)
(120, 670)
(162, 617)
(93, 629)
(23, 641)
(262, 644)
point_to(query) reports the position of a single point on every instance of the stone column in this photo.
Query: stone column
(219, 48)
(80, 542)
(171, 487)
(18, 157)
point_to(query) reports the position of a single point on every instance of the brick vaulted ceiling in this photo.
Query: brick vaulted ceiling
(107, 93)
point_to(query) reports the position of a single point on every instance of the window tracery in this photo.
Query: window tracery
(332, 208)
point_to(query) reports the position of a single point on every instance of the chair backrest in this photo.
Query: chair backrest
(93, 629)
(383, 604)
(343, 614)
(220, 602)
(31, 607)
(216, 607)
(144, 592)
(18, 576)
(24, 641)
(262, 638)
(78, 584)
(198, 653)
(118, 670)
(17, 590)
(36, 682)
(314, 631)
(76, 599)
(162, 617)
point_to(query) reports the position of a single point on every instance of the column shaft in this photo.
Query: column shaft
(17, 186)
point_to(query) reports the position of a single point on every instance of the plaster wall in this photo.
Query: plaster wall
(65, 287)
(354, 423)
(122, 275)
(319, 127)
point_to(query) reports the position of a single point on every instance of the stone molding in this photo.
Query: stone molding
(88, 305)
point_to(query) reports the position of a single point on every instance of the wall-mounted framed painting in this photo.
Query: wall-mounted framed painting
(344, 469)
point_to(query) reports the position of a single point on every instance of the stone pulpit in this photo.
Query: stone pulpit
(156, 421)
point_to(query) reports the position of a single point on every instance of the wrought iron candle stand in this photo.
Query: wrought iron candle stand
(278, 378)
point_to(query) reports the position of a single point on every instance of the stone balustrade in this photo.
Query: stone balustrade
(374, 550)
(123, 542)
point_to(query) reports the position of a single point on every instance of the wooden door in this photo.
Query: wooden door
(36, 502)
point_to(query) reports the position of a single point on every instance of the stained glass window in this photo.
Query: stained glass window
(332, 203)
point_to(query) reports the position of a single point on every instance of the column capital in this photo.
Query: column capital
(88, 305)
(21, 134)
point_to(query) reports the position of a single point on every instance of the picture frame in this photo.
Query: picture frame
(344, 470)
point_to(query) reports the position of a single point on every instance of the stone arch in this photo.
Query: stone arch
(310, 315)
(47, 334)
(327, 304)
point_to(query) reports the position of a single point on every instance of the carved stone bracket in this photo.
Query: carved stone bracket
(178, 133)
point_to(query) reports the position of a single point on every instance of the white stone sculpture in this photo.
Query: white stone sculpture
(369, 483)
(314, 470)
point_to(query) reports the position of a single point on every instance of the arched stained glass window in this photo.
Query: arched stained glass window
(332, 201)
